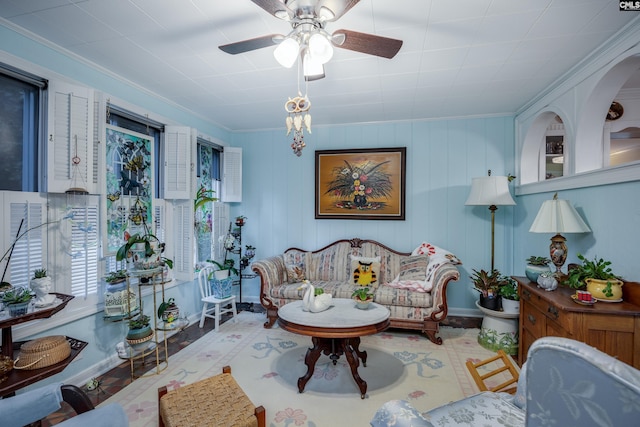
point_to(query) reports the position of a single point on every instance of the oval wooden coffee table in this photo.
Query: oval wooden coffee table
(334, 332)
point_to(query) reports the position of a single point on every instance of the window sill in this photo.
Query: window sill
(76, 309)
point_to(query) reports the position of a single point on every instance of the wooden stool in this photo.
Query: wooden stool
(507, 365)
(215, 401)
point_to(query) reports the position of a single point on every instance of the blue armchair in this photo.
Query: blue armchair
(563, 383)
(36, 404)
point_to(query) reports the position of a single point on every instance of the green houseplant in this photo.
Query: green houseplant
(139, 331)
(17, 300)
(510, 296)
(535, 266)
(226, 268)
(168, 311)
(117, 276)
(41, 284)
(363, 297)
(488, 285)
(597, 277)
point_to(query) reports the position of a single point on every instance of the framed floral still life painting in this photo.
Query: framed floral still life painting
(367, 183)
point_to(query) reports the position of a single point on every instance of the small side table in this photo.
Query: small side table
(499, 331)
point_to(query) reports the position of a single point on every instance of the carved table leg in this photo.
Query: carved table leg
(353, 358)
(310, 360)
(355, 343)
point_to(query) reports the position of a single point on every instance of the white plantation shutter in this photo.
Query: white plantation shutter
(183, 261)
(232, 174)
(28, 254)
(71, 132)
(84, 251)
(159, 220)
(178, 141)
(220, 228)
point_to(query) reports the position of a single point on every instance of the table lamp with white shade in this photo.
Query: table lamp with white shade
(491, 191)
(558, 216)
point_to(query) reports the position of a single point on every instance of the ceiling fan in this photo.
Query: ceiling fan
(309, 39)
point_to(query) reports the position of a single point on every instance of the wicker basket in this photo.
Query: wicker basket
(43, 352)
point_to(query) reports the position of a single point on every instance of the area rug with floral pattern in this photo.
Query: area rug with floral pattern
(267, 363)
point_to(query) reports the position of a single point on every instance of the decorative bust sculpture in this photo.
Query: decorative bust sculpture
(41, 287)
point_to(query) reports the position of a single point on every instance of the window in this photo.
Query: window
(209, 218)
(20, 112)
(131, 121)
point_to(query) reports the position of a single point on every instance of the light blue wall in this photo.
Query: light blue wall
(611, 211)
(442, 157)
(50, 59)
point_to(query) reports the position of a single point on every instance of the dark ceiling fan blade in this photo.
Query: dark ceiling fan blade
(252, 44)
(276, 8)
(366, 43)
(338, 7)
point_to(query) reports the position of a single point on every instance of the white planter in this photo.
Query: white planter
(41, 287)
(221, 274)
(510, 306)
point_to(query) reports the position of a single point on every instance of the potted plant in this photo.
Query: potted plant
(41, 285)
(510, 296)
(597, 277)
(17, 300)
(488, 285)
(535, 266)
(115, 277)
(224, 269)
(139, 331)
(363, 297)
(168, 311)
(143, 249)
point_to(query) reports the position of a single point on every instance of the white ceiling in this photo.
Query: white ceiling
(468, 57)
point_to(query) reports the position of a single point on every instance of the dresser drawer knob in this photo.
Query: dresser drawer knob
(553, 311)
(532, 319)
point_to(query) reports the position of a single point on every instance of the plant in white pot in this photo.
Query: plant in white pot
(17, 299)
(510, 297)
(225, 269)
(535, 266)
(41, 285)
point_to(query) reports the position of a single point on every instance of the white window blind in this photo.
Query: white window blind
(71, 133)
(27, 253)
(183, 239)
(177, 159)
(232, 174)
(84, 251)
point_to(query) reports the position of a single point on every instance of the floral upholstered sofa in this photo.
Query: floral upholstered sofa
(563, 383)
(412, 285)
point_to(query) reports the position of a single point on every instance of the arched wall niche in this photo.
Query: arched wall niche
(532, 165)
(588, 147)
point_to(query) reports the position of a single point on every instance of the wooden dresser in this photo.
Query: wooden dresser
(613, 328)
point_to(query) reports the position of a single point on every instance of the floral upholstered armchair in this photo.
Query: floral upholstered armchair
(563, 383)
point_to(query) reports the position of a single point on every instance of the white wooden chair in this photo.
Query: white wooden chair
(211, 304)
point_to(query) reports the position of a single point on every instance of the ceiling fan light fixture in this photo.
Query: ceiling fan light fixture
(287, 52)
(311, 67)
(320, 48)
(282, 14)
(326, 14)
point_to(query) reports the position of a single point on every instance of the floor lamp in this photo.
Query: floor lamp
(558, 216)
(492, 191)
